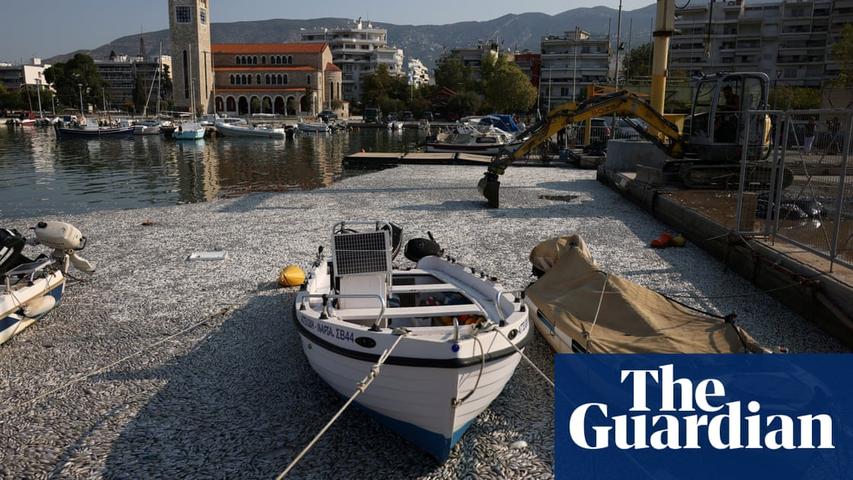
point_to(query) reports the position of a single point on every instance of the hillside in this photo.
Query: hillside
(427, 42)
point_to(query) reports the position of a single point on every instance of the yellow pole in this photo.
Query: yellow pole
(664, 24)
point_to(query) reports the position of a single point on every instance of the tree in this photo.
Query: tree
(381, 85)
(799, 98)
(638, 62)
(139, 94)
(66, 78)
(464, 103)
(842, 52)
(453, 74)
(11, 100)
(508, 89)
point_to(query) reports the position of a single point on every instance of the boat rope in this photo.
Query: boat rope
(542, 374)
(456, 403)
(359, 389)
(588, 334)
(83, 376)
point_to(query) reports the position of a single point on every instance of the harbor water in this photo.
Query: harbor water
(40, 175)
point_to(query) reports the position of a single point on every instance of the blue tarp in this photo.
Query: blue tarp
(504, 122)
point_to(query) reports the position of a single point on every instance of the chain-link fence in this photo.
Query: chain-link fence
(808, 201)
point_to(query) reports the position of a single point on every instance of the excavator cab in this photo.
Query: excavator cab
(717, 123)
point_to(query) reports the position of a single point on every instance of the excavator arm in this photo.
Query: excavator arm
(622, 103)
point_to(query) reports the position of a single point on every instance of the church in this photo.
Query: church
(247, 78)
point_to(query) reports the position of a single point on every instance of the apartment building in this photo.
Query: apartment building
(121, 71)
(358, 49)
(790, 40)
(418, 73)
(571, 62)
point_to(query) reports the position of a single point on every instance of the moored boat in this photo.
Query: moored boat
(238, 130)
(188, 131)
(29, 289)
(93, 131)
(146, 127)
(466, 139)
(313, 127)
(462, 334)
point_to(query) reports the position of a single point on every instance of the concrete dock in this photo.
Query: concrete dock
(225, 392)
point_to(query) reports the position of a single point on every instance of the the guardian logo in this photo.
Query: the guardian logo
(692, 416)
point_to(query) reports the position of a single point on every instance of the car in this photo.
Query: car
(327, 116)
(623, 128)
(428, 116)
(407, 116)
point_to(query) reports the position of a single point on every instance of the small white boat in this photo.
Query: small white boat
(313, 127)
(146, 127)
(462, 333)
(188, 131)
(395, 125)
(29, 289)
(258, 131)
(467, 139)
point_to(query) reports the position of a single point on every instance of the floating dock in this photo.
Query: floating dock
(371, 160)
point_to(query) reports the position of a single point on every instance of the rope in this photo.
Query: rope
(79, 378)
(456, 403)
(529, 361)
(360, 388)
(597, 309)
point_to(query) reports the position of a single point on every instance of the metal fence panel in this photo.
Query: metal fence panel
(811, 203)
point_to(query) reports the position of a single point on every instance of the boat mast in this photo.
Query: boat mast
(190, 77)
(38, 93)
(159, 76)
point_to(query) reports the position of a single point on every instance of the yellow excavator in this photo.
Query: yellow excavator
(705, 154)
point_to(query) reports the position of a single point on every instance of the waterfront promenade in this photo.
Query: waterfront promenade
(234, 397)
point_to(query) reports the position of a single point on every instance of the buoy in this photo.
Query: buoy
(39, 306)
(291, 276)
(678, 241)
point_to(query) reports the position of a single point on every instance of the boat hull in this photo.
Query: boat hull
(313, 127)
(12, 321)
(416, 402)
(249, 132)
(95, 133)
(188, 134)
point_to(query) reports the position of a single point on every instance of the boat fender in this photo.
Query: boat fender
(39, 306)
(418, 248)
(291, 276)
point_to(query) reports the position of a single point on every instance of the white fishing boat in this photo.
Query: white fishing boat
(29, 289)
(245, 130)
(313, 127)
(146, 127)
(188, 131)
(468, 139)
(461, 333)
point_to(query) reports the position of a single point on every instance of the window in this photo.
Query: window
(308, 79)
(289, 60)
(183, 14)
(254, 60)
(284, 79)
(202, 16)
(258, 78)
(264, 60)
(267, 79)
(231, 79)
(250, 79)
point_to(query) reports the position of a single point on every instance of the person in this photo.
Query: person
(809, 135)
(732, 99)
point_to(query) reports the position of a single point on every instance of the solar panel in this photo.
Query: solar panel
(361, 253)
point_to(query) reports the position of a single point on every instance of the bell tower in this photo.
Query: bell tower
(192, 60)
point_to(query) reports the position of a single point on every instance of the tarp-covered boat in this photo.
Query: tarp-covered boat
(577, 307)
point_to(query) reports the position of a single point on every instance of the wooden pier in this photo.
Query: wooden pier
(386, 159)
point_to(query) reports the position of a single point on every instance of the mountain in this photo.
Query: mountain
(427, 42)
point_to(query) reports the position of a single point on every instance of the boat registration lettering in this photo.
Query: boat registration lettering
(308, 323)
(332, 332)
(345, 335)
(524, 325)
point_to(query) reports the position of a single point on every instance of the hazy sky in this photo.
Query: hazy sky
(49, 27)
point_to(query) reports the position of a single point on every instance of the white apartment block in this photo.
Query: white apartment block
(418, 73)
(570, 63)
(791, 40)
(358, 49)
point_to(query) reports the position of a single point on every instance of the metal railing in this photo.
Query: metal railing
(808, 201)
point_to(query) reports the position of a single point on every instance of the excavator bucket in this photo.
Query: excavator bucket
(489, 187)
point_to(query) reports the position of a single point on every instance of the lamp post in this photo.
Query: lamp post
(38, 94)
(80, 88)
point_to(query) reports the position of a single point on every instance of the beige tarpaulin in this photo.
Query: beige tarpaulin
(625, 318)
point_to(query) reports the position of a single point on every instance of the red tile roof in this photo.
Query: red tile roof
(332, 67)
(264, 68)
(261, 48)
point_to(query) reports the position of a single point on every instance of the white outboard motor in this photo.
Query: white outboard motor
(65, 240)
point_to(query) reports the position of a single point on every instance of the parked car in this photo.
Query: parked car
(327, 116)
(372, 115)
(428, 116)
(407, 116)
